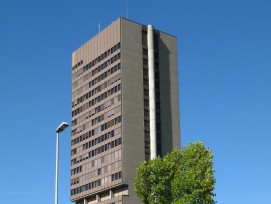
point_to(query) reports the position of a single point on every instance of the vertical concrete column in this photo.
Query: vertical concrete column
(98, 198)
(111, 194)
(151, 69)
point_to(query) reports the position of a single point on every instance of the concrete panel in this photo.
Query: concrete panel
(169, 97)
(132, 101)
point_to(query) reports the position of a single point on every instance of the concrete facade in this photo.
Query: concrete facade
(110, 110)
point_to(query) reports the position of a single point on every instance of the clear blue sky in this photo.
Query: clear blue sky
(224, 79)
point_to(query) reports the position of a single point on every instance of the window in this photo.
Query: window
(145, 51)
(144, 37)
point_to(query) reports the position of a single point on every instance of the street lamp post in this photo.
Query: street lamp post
(59, 129)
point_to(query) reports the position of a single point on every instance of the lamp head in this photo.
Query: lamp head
(62, 127)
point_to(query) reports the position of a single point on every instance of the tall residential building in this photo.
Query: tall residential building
(125, 109)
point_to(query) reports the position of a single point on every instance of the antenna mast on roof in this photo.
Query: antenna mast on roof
(99, 26)
(127, 9)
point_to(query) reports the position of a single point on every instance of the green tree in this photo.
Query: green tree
(184, 176)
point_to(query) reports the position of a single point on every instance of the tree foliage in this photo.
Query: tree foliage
(184, 176)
